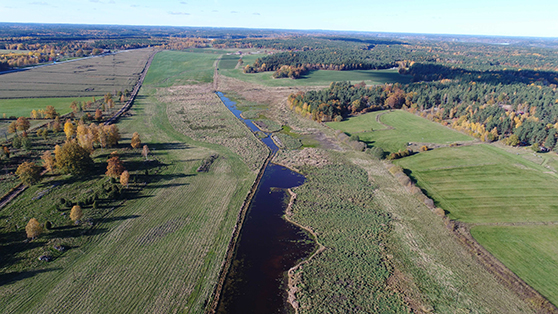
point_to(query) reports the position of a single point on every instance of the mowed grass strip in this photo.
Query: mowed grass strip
(481, 183)
(407, 127)
(181, 68)
(531, 252)
(228, 62)
(320, 77)
(23, 106)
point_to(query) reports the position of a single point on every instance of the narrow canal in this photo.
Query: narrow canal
(268, 245)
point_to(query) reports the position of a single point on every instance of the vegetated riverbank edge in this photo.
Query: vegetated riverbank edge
(235, 236)
(236, 231)
(292, 280)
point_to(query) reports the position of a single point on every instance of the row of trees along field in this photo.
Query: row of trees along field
(36, 53)
(344, 53)
(526, 113)
(338, 60)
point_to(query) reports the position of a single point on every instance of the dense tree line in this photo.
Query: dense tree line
(436, 72)
(486, 111)
(304, 43)
(339, 60)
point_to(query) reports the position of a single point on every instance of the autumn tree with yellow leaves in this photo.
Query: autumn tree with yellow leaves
(136, 141)
(33, 228)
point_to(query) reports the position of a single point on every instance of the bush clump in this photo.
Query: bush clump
(376, 152)
(400, 154)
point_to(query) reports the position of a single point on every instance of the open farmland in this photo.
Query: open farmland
(181, 68)
(400, 128)
(483, 184)
(321, 77)
(160, 251)
(93, 76)
(229, 62)
(505, 197)
(530, 251)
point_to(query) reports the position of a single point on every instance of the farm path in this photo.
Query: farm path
(13, 194)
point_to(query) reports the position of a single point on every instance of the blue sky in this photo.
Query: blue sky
(474, 17)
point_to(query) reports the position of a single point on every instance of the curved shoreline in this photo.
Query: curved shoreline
(292, 277)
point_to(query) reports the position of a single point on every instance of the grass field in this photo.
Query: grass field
(321, 78)
(160, 252)
(180, 68)
(359, 124)
(480, 184)
(405, 128)
(23, 106)
(80, 78)
(530, 251)
(483, 184)
(228, 62)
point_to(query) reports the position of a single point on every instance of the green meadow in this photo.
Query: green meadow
(228, 62)
(397, 128)
(180, 68)
(531, 252)
(483, 184)
(321, 77)
(23, 106)
(360, 124)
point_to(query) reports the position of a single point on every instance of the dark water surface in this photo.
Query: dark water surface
(268, 245)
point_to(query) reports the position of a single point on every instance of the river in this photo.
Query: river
(268, 245)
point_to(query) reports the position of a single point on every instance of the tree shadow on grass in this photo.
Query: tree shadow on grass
(12, 245)
(119, 218)
(74, 232)
(161, 178)
(154, 147)
(9, 278)
(409, 174)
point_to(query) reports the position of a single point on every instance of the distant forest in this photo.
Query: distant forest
(490, 91)
(492, 88)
